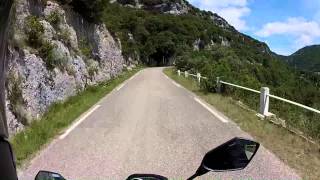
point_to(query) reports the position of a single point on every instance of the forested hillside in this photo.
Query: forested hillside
(167, 32)
(305, 59)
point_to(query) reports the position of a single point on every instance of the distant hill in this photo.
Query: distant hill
(306, 59)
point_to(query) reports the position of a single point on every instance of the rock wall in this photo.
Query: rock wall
(179, 7)
(32, 85)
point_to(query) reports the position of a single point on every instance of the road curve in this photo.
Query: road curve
(148, 125)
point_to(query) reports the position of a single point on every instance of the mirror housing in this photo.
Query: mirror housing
(146, 177)
(47, 175)
(233, 155)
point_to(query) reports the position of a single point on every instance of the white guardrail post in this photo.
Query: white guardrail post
(264, 101)
(199, 77)
(186, 74)
(179, 72)
(218, 85)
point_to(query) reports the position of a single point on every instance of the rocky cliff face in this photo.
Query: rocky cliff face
(55, 53)
(175, 7)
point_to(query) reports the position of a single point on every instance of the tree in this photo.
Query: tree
(91, 9)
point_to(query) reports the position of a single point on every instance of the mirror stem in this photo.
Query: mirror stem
(193, 177)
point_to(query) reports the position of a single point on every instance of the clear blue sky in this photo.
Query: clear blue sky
(285, 25)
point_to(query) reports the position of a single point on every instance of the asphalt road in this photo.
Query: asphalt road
(149, 124)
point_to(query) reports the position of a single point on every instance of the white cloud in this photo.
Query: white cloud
(304, 32)
(232, 10)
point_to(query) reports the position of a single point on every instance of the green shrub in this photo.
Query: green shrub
(51, 57)
(46, 53)
(54, 18)
(64, 36)
(58, 60)
(85, 48)
(34, 30)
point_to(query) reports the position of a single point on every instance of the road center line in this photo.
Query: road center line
(79, 122)
(211, 111)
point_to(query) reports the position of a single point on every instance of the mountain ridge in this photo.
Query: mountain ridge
(305, 59)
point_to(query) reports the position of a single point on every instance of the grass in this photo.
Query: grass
(299, 154)
(27, 143)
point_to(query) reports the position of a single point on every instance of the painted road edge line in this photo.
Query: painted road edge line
(135, 75)
(176, 84)
(121, 86)
(210, 110)
(64, 135)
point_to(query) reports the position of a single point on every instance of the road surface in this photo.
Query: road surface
(149, 124)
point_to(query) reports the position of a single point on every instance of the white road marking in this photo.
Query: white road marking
(135, 75)
(211, 111)
(121, 86)
(79, 122)
(176, 84)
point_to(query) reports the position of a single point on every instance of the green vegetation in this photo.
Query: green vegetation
(90, 9)
(85, 48)
(60, 116)
(233, 67)
(64, 36)
(305, 59)
(157, 37)
(54, 18)
(47, 51)
(290, 148)
(34, 30)
(51, 57)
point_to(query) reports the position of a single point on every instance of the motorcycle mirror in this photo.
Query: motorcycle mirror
(146, 177)
(233, 155)
(47, 175)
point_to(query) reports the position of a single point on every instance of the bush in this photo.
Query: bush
(51, 57)
(64, 36)
(46, 53)
(58, 60)
(90, 9)
(34, 30)
(85, 48)
(54, 18)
